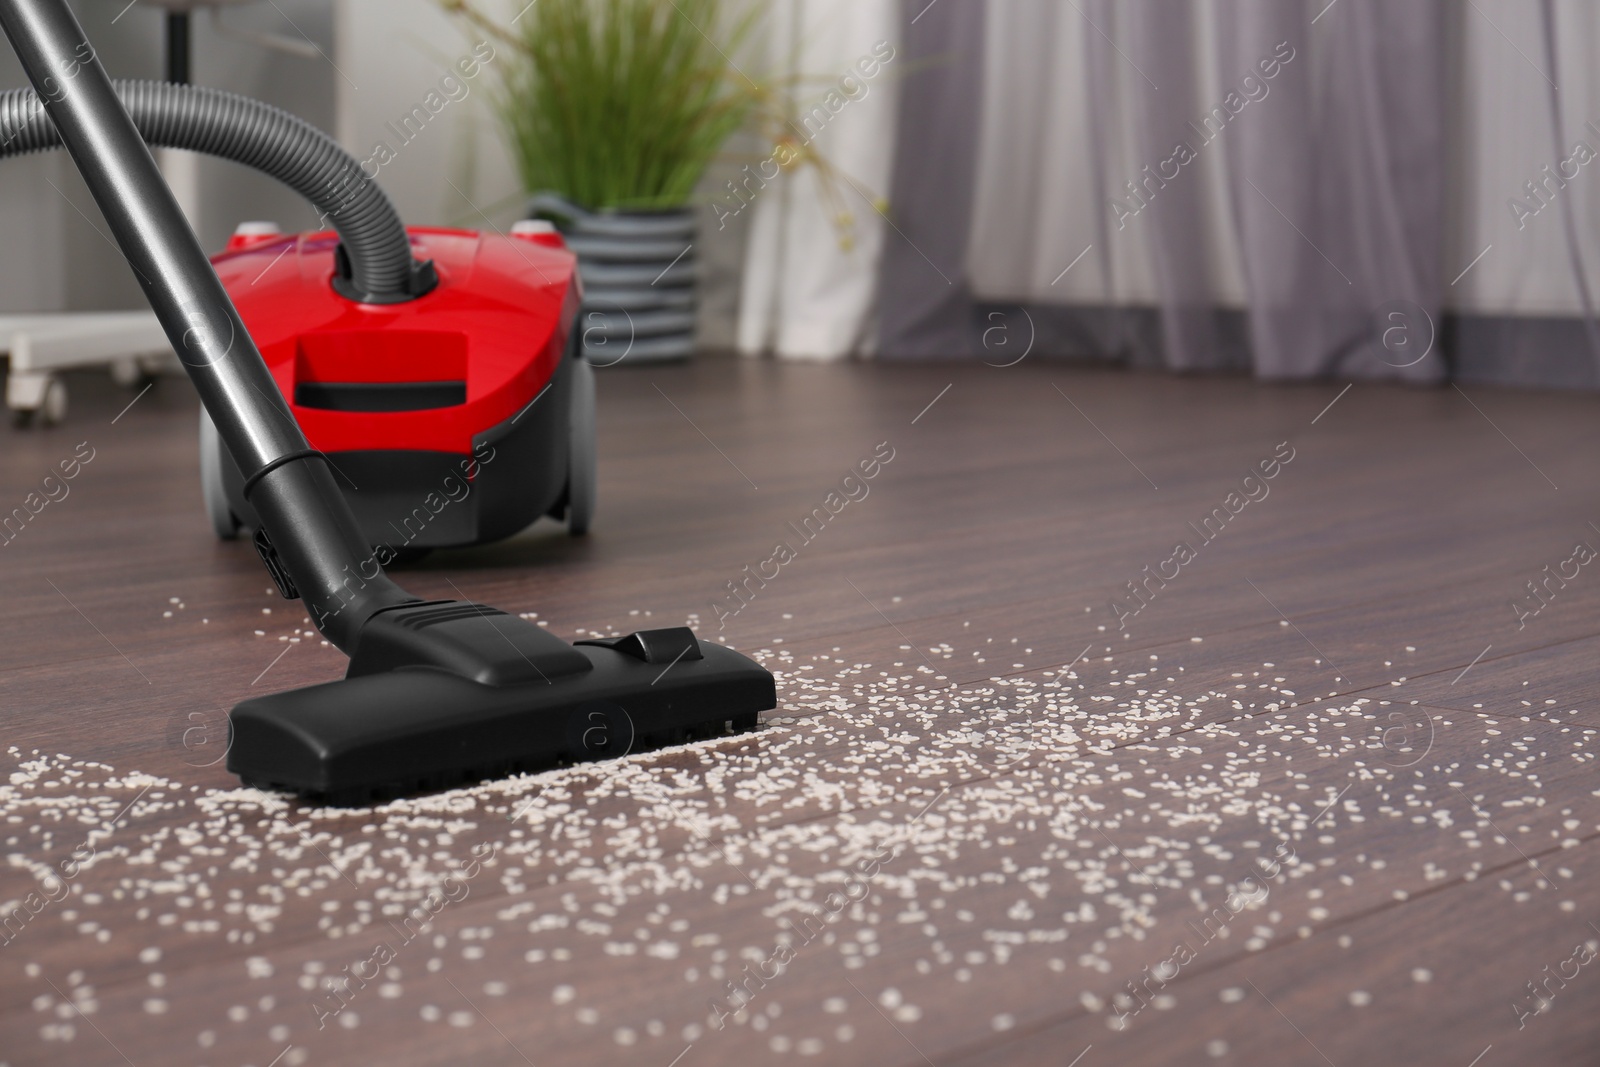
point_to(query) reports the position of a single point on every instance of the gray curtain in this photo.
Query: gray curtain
(1336, 191)
(925, 307)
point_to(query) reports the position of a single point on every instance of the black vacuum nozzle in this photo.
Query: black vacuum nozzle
(443, 693)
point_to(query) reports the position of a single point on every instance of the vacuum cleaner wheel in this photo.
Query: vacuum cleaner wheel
(223, 520)
(581, 473)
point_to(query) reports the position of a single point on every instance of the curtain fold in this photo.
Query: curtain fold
(1274, 165)
(811, 278)
(1158, 41)
(926, 308)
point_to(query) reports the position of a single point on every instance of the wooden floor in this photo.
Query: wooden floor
(1324, 799)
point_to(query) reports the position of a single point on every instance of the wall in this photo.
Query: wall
(378, 59)
(44, 206)
(455, 171)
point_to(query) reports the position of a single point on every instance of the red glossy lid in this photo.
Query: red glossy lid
(498, 320)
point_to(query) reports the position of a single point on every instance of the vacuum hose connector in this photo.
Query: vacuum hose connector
(375, 264)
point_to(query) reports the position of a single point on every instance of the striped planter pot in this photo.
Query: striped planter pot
(638, 271)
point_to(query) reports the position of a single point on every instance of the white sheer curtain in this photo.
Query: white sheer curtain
(805, 296)
(1512, 275)
(1040, 193)
(1504, 138)
(1222, 155)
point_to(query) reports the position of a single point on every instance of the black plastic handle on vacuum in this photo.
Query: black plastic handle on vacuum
(311, 527)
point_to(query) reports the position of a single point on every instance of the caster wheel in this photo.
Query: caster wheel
(126, 372)
(132, 374)
(223, 520)
(52, 409)
(581, 474)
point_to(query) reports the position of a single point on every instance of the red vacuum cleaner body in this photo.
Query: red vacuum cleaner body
(456, 418)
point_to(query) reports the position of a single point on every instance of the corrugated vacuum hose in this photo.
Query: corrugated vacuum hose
(379, 264)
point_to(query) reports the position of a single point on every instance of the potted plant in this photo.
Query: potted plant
(613, 110)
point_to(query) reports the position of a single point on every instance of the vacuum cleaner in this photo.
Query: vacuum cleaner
(437, 692)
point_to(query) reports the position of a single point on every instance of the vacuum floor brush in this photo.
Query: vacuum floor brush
(437, 692)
